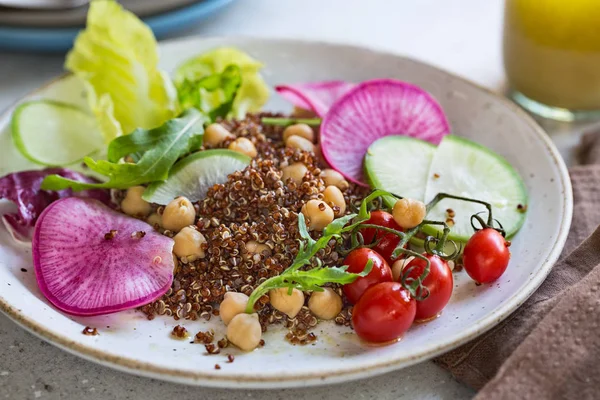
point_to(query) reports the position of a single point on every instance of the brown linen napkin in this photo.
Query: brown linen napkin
(553, 338)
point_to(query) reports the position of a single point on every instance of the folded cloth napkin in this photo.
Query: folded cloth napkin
(550, 347)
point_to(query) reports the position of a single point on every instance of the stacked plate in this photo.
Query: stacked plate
(54, 30)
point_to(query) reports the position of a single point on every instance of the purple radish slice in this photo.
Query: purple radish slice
(92, 260)
(372, 110)
(315, 96)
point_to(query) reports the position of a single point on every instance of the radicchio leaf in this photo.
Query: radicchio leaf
(23, 189)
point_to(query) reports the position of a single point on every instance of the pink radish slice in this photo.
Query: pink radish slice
(82, 272)
(315, 96)
(374, 109)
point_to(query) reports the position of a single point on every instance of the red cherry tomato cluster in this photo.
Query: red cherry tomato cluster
(383, 309)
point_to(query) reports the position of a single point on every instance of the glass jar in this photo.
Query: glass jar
(552, 56)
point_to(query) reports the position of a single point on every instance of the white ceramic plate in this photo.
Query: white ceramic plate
(129, 342)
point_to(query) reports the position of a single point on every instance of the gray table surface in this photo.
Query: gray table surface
(32, 369)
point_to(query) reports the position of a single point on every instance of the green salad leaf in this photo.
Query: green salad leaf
(252, 94)
(155, 151)
(117, 58)
(228, 82)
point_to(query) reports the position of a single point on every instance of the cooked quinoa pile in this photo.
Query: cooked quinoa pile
(254, 206)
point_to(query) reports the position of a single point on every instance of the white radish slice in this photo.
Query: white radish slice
(372, 110)
(315, 96)
(82, 270)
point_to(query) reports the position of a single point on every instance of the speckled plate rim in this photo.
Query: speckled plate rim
(341, 374)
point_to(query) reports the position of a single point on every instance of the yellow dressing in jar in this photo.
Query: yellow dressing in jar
(552, 51)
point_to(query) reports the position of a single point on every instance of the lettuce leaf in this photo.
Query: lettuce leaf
(155, 150)
(252, 94)
(228, 83)
(117, 56)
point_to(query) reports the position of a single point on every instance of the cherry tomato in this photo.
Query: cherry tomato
(388, 241)
(439, 282)
(486, 255)
(384, 312)
(356, 262)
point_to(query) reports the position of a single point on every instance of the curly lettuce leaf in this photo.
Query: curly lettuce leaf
(253, 92)
(228, 82)
(117, 56)
(156, 150)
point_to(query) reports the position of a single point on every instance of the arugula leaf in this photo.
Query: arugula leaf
(156, 151)
(190, 92)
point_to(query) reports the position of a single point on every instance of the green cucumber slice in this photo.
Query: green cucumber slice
(53, 133)
(464, 168)
(399, 164)
(194, 175)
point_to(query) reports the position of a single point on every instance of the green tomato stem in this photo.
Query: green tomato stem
(440, 196)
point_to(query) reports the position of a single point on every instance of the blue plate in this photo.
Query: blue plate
(61, 39)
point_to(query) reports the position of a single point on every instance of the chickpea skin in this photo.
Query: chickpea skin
(133, 204)
(244, 331)
(333, 178)
(244, 146)
(178, 214)
(298, 142)
(409, 213)
(333, 195)
(189, 242)
(215, 134)
(326, 304)
(289, 304)
(318, 213)
(398, 266)
(296, 172)
(301, 130)
(233, 304)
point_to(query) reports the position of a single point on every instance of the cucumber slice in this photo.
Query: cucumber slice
(53, 133)
(399, 164)
(467, 169)
(195, 174)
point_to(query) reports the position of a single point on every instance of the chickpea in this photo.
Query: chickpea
(296, 171)
(299, 112)
(215, 134)
(332, 177)
(244, 146)
(451, 265)
(244, 331)
(318, 213)
(333, 195)
(326, 304)
(189, 242)
(133, 204)
(253, 247)
(409, 213)
(233, 304)
(298, 142)
(289, 304)
(301, 130)
(155, 220)
(398, 266)
(178, 214)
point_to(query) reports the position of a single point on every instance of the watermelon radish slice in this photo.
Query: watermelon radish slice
(84, 269)
(315, 96)
(372, 110)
